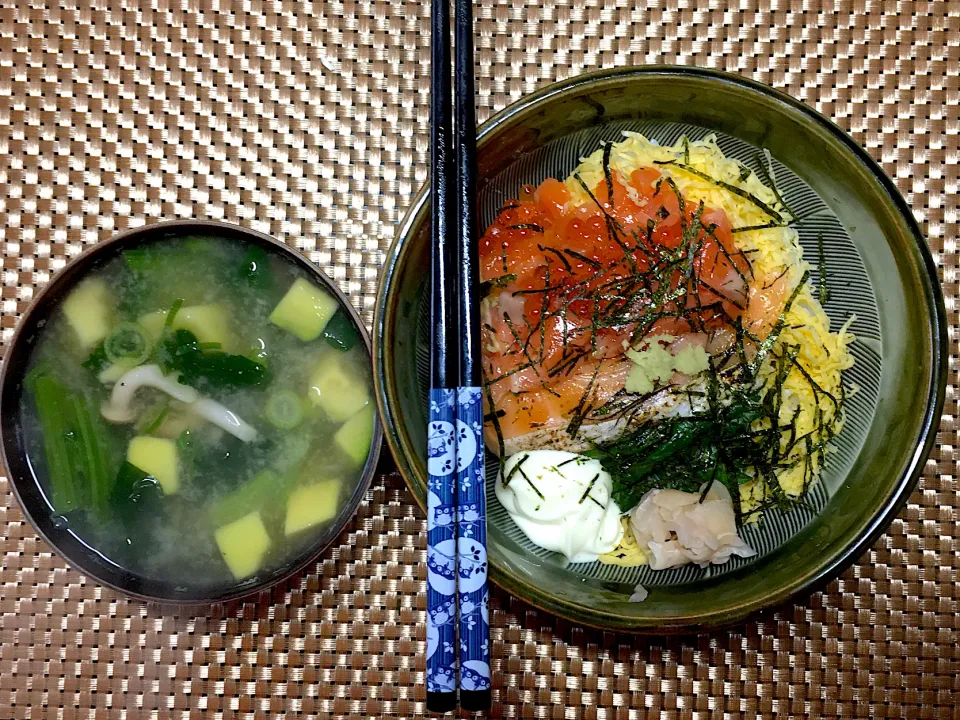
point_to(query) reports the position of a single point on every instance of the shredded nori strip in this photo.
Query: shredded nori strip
(583, 258)
(822, 271)
(530, 361)
(530, 482)
(710, 230)
(589, 488)
(608, 176)
(515, 469)
(508, 373)
(746, 195)
(579, 412)
(774, 335)
(501, 450)
(495, 283)
(776, 279)
(544, 304)
(749, 228)
(770, 181)
(613, 225)
(560, 255)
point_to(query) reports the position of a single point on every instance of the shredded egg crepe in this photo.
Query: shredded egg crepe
(628, 553)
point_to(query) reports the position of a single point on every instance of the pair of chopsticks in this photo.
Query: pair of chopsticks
(457, 623)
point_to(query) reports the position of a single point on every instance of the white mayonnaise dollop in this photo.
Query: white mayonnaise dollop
(562, 502)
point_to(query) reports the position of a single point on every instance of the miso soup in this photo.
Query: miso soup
(198, 411)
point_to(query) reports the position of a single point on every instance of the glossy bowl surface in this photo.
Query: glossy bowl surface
(20, 475)
(895, 256)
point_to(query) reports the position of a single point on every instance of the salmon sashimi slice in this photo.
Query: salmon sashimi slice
(569, 288)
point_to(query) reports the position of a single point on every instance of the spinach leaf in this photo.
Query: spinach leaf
(206, 368)
(76, 445)
(134, 492)
(229, 459)
(340, 333)
(97, 361)
(683, 453)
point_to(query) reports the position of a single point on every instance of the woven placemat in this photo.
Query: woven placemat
(308, 121)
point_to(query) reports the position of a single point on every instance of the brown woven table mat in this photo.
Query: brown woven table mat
(308, 120)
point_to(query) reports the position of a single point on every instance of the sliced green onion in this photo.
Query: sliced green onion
(128, 343)
(172, 313)
(284, 409)
(153, 416)
(157, 421)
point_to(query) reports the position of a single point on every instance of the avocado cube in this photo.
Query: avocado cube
(89, 310)
(304, 311)
(356, 434)
(243, 543)
(311, 505)
(156, 457)
(336, 389)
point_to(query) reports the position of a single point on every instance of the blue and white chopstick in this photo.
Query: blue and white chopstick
(444, 368)
(457, 616)
(472, 553)
(471, 485)
(442, 552)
